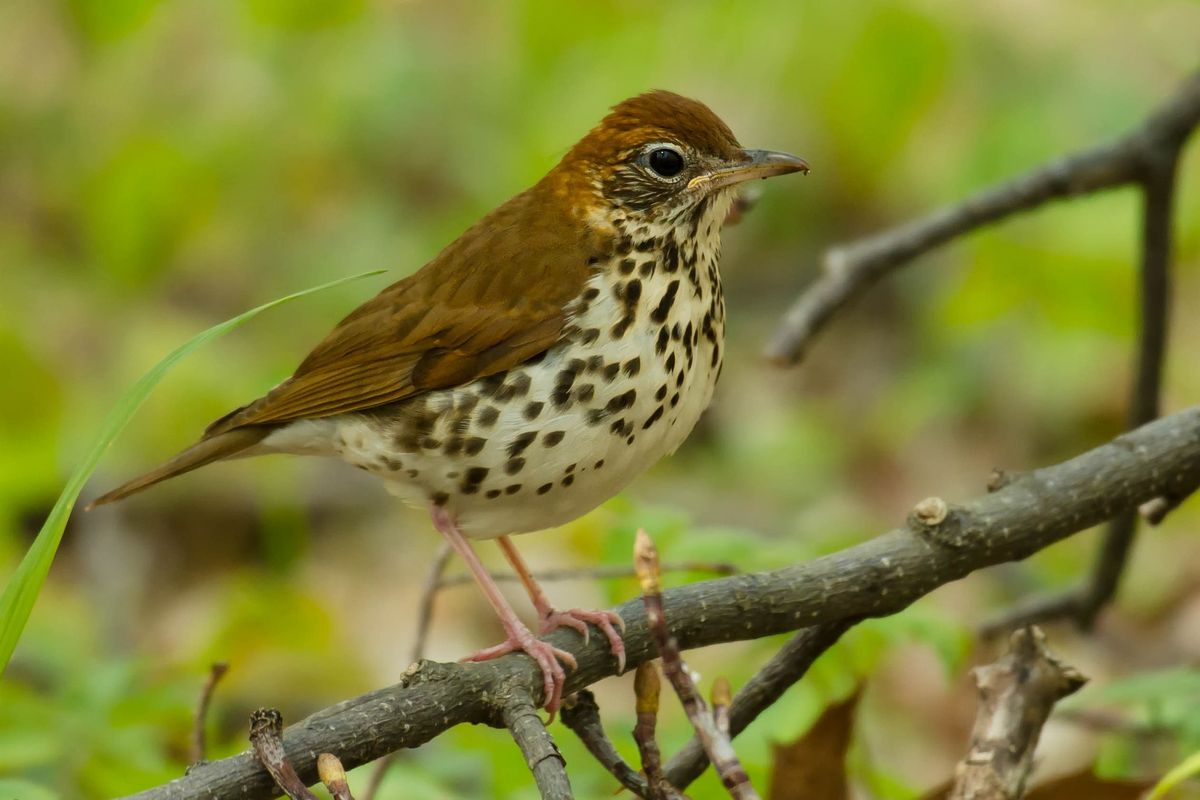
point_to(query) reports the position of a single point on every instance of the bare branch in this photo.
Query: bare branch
(1083, 605)
(548, 766)
(878, 577)
(581, 714)
(646, 688)
(848, 270)
(434, 581)
(199, 739)
(718, 746)
(266, 735)
(1016, 695)
(785, 668)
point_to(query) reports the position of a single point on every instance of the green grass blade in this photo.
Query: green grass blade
(1188, 768)
(23, 587)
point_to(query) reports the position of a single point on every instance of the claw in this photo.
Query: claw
(579, 620)
(545, 655)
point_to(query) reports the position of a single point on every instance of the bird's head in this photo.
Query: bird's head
(659, 155)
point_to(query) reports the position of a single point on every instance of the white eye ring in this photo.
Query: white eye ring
(664, 161)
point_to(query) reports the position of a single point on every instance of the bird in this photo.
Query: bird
(560, 346)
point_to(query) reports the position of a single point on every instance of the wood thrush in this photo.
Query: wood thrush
(561, 345)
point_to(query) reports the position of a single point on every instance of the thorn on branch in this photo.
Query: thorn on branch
(266, 736)
(1017, 693)
(717, 745)
(199, 747)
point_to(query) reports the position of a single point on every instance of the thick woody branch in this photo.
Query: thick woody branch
(878, 577)
(848, 270)
(1016, 695)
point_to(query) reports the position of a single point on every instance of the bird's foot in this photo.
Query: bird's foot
(547, 657)
(579, 619)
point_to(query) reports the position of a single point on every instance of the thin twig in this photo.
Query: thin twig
(333, 775)
(542, 757)
(429, 590)
(1016, 695)
(646, 689)
(433, 582)
(581, 714)
(199, 739)
(266, 735)
(786, 667)
(719, 748)
(722, 694)
(593, 573)
(848, 270)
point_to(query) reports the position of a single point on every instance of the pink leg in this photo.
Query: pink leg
(519, 637)
(575, 618)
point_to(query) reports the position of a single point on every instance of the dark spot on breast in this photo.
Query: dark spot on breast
(491, 384)
(393, 464)
(474, 445)
(661, 393)
(430, 443)
(440, 498)
(595, 416)
(653, 418)
(512, 488)
(618, 330)
(594, 363)
(660, 312)
(663, 338)
(533, 409)
(674, 399)
(514, 465)
(545, 487)
(492, 494)
(670, 363)
(610, 372)
(567, 481)
(598, 464)
(645, 245)
(621, 401)
(589, 336)
(646, 269)
(627, 266)
(412, 473)
(633, 366)
(454, 446)
(585, 393)
(570, 468)
(520, 442)
(476, 474)
(552, 438)
(591, 293)
(488, 416)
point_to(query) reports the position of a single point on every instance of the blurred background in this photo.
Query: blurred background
(164, 166)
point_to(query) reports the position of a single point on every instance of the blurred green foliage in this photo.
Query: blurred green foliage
(164, 166)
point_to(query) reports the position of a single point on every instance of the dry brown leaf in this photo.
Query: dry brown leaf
(813, 767)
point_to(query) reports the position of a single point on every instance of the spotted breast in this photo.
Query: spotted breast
(571, 427)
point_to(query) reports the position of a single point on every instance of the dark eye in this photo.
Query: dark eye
(666, 162)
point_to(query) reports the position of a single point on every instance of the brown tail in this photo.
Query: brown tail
(203, 452)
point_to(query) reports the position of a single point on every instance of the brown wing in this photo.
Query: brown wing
(491, 300)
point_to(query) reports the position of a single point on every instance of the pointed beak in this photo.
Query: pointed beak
(756, 164)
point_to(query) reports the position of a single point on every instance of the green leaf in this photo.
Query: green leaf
(1176, 775)
(23, 587)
